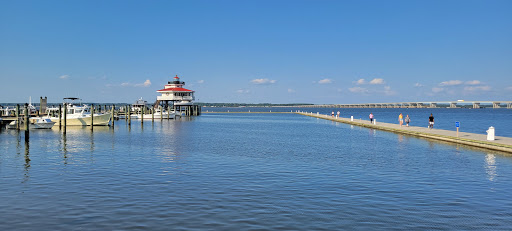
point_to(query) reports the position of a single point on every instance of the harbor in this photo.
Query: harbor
(255, 115)
(174, 102)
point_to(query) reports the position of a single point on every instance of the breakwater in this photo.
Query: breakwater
(503, 144)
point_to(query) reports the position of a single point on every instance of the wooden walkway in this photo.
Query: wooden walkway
(476, 140)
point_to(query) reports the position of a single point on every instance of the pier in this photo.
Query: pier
(424, 104)
(503, 144)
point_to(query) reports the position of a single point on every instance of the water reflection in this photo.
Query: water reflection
(64, 149)
(490, 167)
(27, 161)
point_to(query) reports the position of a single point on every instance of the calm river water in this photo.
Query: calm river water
(248, 172)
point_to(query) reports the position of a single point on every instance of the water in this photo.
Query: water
(471, 120)
(246, 172)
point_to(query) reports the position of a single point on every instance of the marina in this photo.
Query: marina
(255, 115)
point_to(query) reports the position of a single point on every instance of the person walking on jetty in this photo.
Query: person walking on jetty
(407, 120)
(332, 113)
(338, 114)
(371, 118)
(431, 121)
(401, 119)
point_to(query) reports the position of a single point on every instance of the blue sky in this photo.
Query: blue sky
(257, 51)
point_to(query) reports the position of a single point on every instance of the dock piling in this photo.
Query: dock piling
(92, 116)
(112, 110)
(142, 111)
(161, 113)
(17, 117)
(65, 117)
(128, 110)
(26, 123)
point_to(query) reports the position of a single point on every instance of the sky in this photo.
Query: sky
(277, 51)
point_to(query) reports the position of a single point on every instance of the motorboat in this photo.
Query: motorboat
(79, 115)
(43, 123)
(139, 105)
(157, 115)
(142, 106)
(12, 124)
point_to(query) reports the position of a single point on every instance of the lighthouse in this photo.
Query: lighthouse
(174, 94)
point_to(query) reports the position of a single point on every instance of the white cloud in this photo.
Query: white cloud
(478, 88)
(437, 89)
(377, 81)
(473, 82)
(64, 77)
(200, 81)
(325, 81)
(361, 82)
(450, 83)
(263, 81)
(290, 90)
(509, 88)
(418, 85)
(242, 91)
(358, 90)
(340, 90)
(146, 83)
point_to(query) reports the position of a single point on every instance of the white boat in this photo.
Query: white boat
(158, 115)
(79, 115)
(183, 103)
(141, 104)
(43, 123)
(12, 125)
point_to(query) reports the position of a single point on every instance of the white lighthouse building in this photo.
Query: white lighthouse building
(174, 93)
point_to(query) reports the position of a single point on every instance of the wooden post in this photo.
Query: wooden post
(142, 114)
(112, 114)
(128, 109)
(17, 117)
(125, 113)
(92, 115)
(65, 117)
(161, 113)
(168, 112)
(26, 123)
(153, 114)
(60, 116)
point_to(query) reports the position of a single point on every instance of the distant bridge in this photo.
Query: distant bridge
(425, 104)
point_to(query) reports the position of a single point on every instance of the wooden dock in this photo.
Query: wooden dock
(500, 143)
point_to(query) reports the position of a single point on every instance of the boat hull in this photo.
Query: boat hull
(99, 120)
(42, 125)
(156, 116)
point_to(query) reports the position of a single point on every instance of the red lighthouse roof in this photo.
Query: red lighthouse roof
(176, 89)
